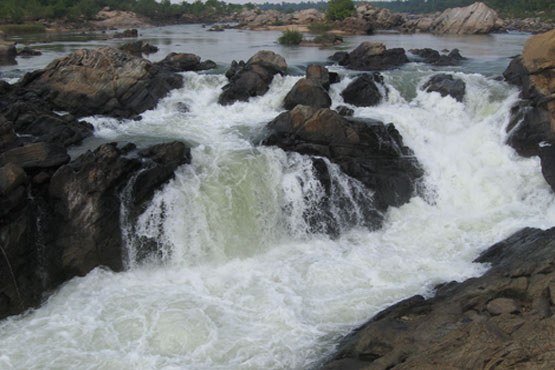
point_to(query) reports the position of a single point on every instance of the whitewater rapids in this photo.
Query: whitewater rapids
(242, 282)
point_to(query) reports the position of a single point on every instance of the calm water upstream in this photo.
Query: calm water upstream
(242, 283)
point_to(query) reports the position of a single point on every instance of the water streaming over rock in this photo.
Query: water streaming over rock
(246, 276)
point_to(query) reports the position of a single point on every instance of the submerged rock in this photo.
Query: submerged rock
(132, 32)
(28, 52)
(138, 48)
(253, 78)
(363, 91)
(371, 56)
(369, 151)
(503, 317)
(446, 84)
(433, 57)
(101, 81)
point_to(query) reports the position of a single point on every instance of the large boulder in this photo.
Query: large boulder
(253, 78)
(367, 150)
(356, 26)
(138, 48)
(307, 92)
(533, 120)
(363, 92)
(183, 62)
(101, 81)
(371, 56)
(503, 319)
(476, 18)
(433, 57)
(446, 84)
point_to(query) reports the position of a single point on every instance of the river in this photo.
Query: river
(241, 281)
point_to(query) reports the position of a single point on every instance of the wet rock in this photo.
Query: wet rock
(366, 150)
(345, 111)
(356, 26)
(446, 84)
(138, 48)
(363, 91)
(533, 119)
(36, 155)
(470, 322)
(127, 33)
(371, 56)
(28, 52)
(307, 92)
(124, 85)
(433, 57)
(319, 73)
(253, 78)
(547, 157)
(183, 62)
(8, 138)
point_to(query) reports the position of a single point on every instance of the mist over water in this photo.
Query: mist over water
(242, 281)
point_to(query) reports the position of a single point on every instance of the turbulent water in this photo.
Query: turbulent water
(242, 281)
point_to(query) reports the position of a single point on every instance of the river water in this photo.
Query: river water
(242, 282)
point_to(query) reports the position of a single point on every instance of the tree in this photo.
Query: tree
(339, 9)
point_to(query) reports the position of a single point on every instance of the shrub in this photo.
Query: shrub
(319, 27)
(15, 29)
(339, 9)
(290, 37)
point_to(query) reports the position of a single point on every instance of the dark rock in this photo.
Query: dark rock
(369, 56)
(183, 62)
(39, 124)
(334, 78)
(37, 155)
(127, 33)
(446, 85)
(124, 85)
(28, 52)
(253, 78)
(138, 48)
(11, 176)
(478, 323)
(320, 74)
(363, 91)
(345, 111)
(547, 157)
(356, 26)
(528, 128)
(433, 57)
(8, 52)
(8, 138)
(368, 150)
(307, 92)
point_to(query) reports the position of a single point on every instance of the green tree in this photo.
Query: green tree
(339, 9)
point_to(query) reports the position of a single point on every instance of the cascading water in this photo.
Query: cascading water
(244, 280)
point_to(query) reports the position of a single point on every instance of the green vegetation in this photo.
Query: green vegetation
(339, 9)
(19, 11)
(17, 29)
(513, 8)
(319, 27)
(290, 37)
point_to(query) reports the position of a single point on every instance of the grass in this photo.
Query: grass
(290, 37)
(15, 29)
(319, 27)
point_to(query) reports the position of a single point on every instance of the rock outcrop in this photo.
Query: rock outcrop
(101, 81)
(503, 319)
(138, 48)
(61, 220)
(371, 56)
(363, 92)
(367, 150)
(533, 120)
(379, 18)
(473, 19)
(253, 78)
(446, 84)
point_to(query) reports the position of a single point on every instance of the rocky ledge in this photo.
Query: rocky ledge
(367, 150)
(503, 319)
(531, 130)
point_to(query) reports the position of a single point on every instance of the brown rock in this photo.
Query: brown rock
(37, 155)
(11, 176)
(307, 92)
(501, 306)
